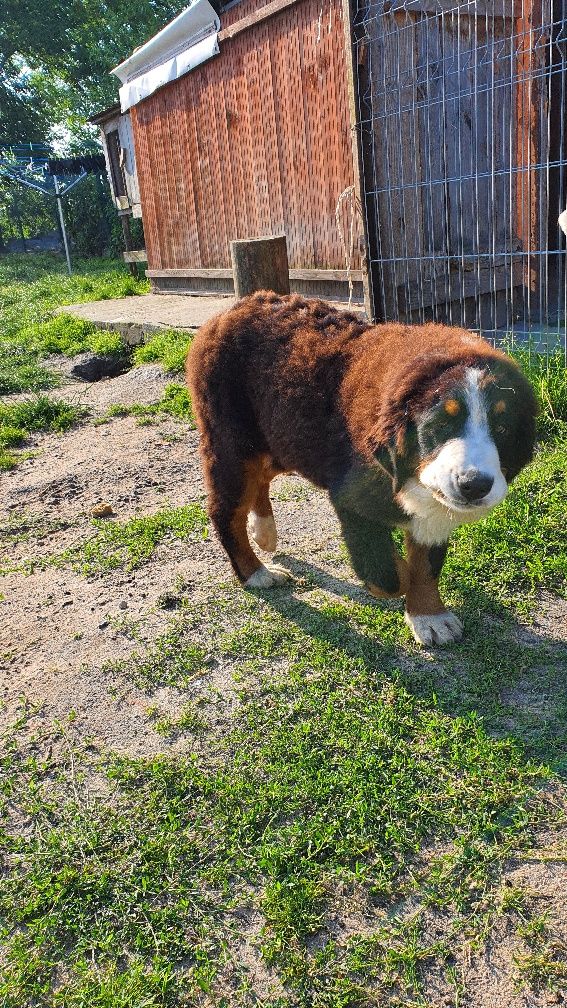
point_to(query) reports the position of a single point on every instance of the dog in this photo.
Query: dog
(414, 427)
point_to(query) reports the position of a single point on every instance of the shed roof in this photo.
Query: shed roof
(187, 41)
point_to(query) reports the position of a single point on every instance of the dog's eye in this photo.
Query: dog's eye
(452, 407)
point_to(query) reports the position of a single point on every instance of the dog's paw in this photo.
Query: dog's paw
(441, 628)
(263, 531)
(267, 577)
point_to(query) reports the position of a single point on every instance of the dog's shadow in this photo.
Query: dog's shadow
(513, 677)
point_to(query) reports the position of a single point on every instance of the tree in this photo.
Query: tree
(55, 59)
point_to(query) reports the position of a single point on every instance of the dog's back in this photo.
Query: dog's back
(268, 373)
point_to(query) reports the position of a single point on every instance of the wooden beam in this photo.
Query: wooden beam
(134, 257)
(198, 274)
(226, 274)
(253, 19)
(472, 8)
(313, 274)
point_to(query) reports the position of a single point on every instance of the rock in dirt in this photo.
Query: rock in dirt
(102, 510)
(92, 367)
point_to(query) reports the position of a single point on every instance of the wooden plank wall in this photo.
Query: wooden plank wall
(254, 142)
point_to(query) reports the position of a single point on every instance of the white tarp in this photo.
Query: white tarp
(182, 45)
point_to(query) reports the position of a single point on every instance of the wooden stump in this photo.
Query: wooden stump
(260, 264)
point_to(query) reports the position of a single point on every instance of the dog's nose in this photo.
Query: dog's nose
(473, 484)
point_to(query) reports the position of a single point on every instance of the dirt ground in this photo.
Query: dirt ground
(59, 629)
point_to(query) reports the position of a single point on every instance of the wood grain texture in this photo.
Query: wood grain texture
(254, 142)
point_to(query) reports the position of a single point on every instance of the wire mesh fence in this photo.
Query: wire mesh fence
(462, 110)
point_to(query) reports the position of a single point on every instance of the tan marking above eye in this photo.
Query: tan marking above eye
(500, 406)
(452, 407)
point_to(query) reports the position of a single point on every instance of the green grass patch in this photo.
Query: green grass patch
(548, 376)
(334, 792)
(175, 402)
(20, 371)
(28, 329)
(25, 302)
(522, 545)
(131, 543)
(41, 413)
(169, 348)
(65, 334)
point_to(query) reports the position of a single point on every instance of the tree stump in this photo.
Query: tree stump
(260, 264)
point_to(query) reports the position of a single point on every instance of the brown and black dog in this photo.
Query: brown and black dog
(417, 427)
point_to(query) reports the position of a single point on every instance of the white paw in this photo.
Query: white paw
(263, 531)
(442, 628)
(267, 577)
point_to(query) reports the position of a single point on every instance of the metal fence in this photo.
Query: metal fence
(462, 111)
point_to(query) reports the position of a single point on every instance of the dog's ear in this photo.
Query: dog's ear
(398, 457)
(386, 459)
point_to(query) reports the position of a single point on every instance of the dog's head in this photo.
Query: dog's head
(456, 435)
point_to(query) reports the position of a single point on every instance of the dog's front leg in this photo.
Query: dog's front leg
(373, 555)
(428, 619)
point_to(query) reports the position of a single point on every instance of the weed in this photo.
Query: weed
(169, 348)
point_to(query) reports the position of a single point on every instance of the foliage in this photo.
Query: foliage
(41, 413)
(169, 348)
(56, 57)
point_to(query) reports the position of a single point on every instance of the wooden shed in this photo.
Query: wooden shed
(254, 142)
(411, 147)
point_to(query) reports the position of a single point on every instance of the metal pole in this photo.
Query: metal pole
(62, 222)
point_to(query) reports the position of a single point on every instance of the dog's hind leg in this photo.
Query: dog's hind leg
(234, 487)
(261, 522)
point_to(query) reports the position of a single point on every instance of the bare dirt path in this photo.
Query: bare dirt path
(59, 628)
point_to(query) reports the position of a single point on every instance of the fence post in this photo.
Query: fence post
(260, 264)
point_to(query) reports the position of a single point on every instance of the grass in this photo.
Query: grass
(40, 413)
(65, 334)
(175, 402)
(131, 543)
(548, 376)
(336, 793)
(28, 329)
(47, 286)
(354, 800)
(168, 348)
(334, 829)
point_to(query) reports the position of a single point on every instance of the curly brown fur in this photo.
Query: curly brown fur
(284, 384)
